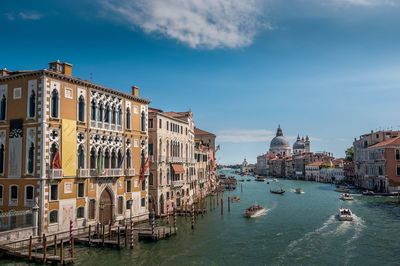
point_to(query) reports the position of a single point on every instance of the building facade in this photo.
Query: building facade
(72, 148)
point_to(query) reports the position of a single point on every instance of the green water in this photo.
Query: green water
(297, 230)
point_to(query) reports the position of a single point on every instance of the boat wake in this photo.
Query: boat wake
(331, 237)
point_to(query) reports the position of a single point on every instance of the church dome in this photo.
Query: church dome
(279, 142)
(299, 144)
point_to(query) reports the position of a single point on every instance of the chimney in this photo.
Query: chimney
(135, 91)
(61, 68)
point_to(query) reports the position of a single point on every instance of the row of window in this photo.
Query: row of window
(13, 195)
(31, 104)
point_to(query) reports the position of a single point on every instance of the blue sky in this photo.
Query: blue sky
(328, 69)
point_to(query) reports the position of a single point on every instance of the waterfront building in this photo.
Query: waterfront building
(71, 148)
(331, 172)
(262, 166)
(289, 167)
(279, 144)
(247, 168)
(313, 171)
(172, 168)
(348, 171)
(372, 175)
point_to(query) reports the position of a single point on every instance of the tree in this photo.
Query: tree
(350, 154)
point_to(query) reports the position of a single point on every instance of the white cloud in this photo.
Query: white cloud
(30, 15)
(365, 3)
(197, 23)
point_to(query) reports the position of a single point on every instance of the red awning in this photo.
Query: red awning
(178, 168)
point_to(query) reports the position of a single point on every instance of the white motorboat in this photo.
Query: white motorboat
(346, 196)
(275, 180)
(299, 191)
(255, 211)
(345, 214)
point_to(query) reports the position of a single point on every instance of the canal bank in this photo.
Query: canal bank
(297, 229)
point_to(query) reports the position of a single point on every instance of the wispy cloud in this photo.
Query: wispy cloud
(365, 2)
(197, 23)
(24, 15)
(251, 135)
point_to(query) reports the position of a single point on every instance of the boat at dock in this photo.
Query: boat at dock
(346, 196)
(345, 214)
(255, 211)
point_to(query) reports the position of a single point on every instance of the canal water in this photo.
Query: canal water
(296, 230)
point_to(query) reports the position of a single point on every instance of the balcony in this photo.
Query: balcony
(93, 172)
(113, 172)
(130, 172)
(83, 172)
(177, 183)
(55, 173)
(176, 160)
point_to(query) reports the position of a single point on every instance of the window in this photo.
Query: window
(81, 109)
(53, 152)
(120, 159)
(167, 125)
(93, 159)
(54, 192)
(3, 108)
(119, 116)
(54, 103)
(31, 158)
(80, 212)
(128, 118)
(143, 202)
(398, 170)
(113, 159)
(93, 110)
(81, 190)
(1, 195)
(150, 149)
(160, 123)
(150, 123)
(92, 209)
(32, 103)
(13, 195)
(151, 179)
(53, 218)
(114, 116)
(128, 185)
(107, 115)
(1, 158)
(29, 196)
(144, 185)
(100, 116)
(17, 93)
(128, 159)
(397, 154)
(81, 157)
(120, 205)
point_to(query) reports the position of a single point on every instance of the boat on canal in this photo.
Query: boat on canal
(277, 191)
(235, 199)
(255, 211)
(299, 191)
(342, 189)
(260, 178)
(346, 196)
(345, 214)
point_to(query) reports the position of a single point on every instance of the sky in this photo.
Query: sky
(327, 69)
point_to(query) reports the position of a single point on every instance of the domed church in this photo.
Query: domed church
(279, 144)
(301, 145)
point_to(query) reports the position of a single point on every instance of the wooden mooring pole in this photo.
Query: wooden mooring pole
(30, 248)
(229, 204)
(62, 253)
(44, 248)
(222, 207)
(192, 216)
(55, 245)
(89, 235)
(132, 234)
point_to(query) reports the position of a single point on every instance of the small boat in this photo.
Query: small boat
(248, 180)
(275, 180)
(277, 191)
(345, 214)
(342, 189)
(368, 193)
(346, 196)
(235, 199)
(241, 180)
(255, 211)
(299, 191)
(260, 179)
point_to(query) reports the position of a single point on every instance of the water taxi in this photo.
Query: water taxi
(299, 191)
(346, 196)
(255, 211)
(235, 199)
(345, 214)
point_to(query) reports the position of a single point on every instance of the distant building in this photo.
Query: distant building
(279, 144)
(247, 168)
(301, 145)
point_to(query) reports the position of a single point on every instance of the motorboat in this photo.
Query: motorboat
(299, 191)
(346, 196)
(248, 180)
(345, 214)
(368, 193)
(342, 189)
(255, 211)
(275, 180)
(260, 179)
(277, 191)
(235, 199)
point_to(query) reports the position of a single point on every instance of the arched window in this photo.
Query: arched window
(80, 212)
(120, 116)
(397, 154)
(53, 152)
(120, 159)
(54, 103)
(113, 159)
(81, 109)
(29, 195)
(100, 162)
(128, 118)
(2, 158)
(128, 159)
(81, 157)
(100, 117)
(160, 177)
(142, 158)
(93, 159)
(93, 110)
(31, 158)
(32, 104)
(143, 121)
(114, 115)
(107, 115)
(151, 179)
(3, 108)
(107, 159)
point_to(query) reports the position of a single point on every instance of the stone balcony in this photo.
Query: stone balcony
(130, 172)
(177, 183)
(55, 173)
(83, 172)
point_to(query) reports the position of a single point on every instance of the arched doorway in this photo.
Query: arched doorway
(105, 207)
